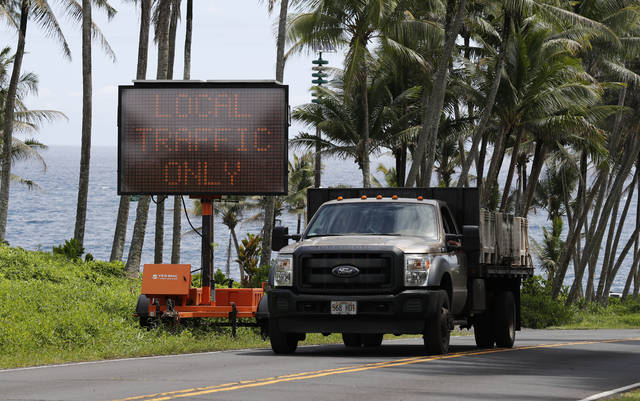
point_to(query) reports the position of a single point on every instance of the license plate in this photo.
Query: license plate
(344, 307)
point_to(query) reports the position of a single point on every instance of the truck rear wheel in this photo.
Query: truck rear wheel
(504, 319)
(482, 331)
(351, 340)
(437, 333)
(282, 343)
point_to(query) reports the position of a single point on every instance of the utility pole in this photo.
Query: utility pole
(318, 75)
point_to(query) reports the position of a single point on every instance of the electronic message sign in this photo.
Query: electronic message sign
(202, 138)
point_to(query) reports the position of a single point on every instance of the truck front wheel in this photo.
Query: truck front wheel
(437, 333)
(504, 319)
(282, 343)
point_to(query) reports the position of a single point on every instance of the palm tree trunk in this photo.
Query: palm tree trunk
(636, 259)
(611, 271)
(491, 182)
(177, 205)
(572, 238)
(176, 235)
(237, 246)
(608, 250)
(137, 239)
(85, 152)
(488, 109)
(512, 166)
(117, 248)
(142, 211)
(604, 299)
(187, 40)
(228, 269)
(269, 208)
(480, 165)
(627, 160)
(162, 73)
(366, 163)
(173, 28)
(536, 168)
(431, 114)
(10, 104)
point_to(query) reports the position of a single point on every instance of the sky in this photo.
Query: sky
(232, 40)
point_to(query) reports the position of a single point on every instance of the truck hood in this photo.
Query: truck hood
(404, 243)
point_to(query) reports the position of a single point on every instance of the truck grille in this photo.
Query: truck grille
(376, 272)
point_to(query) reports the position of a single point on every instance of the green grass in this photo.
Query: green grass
(630, 396)
(617, 315)
(540, 311)
(55, 310)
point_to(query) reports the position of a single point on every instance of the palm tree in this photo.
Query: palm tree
(356, 25)
(162, 24)
(301, 178)
(142, 211)
(26, 121)
(177, 205)
(338, 116)
(455, 12)
(47, 20)
(117, 247)
(269, 204)
(85, 152)
(389, 175)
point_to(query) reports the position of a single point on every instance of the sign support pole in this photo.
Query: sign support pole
(207, 248)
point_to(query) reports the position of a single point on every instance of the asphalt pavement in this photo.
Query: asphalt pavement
(543, 365)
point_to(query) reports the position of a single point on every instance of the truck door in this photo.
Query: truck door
(457, 265)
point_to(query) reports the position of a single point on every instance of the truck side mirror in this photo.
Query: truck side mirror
(453, 242)
(279, 238)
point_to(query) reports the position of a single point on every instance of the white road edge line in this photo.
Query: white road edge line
(611, 392)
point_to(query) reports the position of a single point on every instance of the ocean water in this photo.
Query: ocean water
(41, 219)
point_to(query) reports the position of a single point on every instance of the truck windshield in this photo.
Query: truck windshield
(375, 219)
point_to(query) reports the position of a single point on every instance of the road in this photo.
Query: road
(544, 365)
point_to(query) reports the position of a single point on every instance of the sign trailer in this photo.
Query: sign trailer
(203, 139)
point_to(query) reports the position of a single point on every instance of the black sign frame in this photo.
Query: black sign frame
(144, 85)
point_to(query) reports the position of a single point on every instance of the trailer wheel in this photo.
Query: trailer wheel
(504, 319)
(437, 333)
(282, 343)
(352, 340)
(371, 340)
(482, 331)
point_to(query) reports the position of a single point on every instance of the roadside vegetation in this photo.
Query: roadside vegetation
(57, 308)
(630, 396)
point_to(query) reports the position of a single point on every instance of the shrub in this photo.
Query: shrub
(539, 310)
(71, 249)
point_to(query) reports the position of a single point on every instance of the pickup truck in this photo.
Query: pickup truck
(374, 261)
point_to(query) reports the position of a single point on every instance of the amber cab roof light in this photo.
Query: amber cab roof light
(340, 198)
(394, 197)
(379, 197)
(363, 197)
(420, 198)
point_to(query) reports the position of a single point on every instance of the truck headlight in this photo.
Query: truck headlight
(416, 270)
(283, 272)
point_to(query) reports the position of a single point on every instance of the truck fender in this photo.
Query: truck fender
(439, 266)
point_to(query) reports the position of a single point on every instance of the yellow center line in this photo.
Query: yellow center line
(192, 392)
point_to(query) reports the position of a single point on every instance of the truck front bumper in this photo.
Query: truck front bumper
(402, 313)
